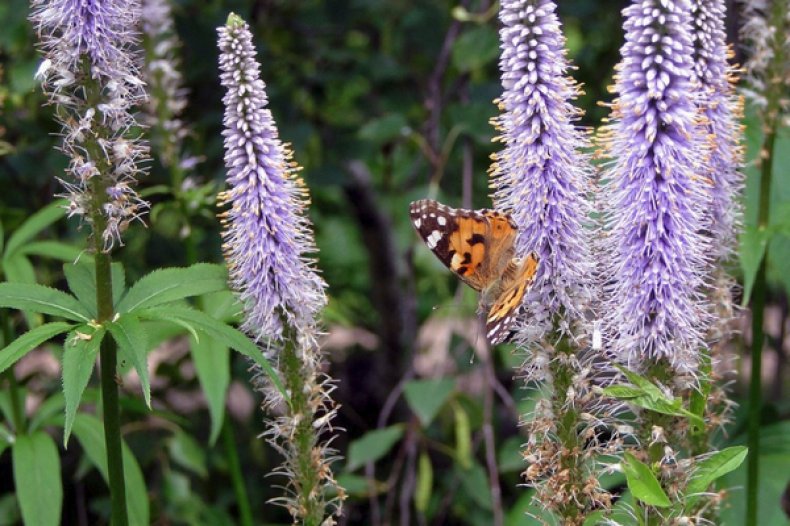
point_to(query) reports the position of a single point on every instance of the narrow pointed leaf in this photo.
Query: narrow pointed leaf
(424, 487)
(81, 278)
(212, 363)
(234, 338)
(132, 343)
(19, 269)
(167, 285)
(29, 341)
(753, 242)
(715, 466)
(35, 224)
(54, 250)
(46, 300)
(643, 483)
(37, 479)
(90, 433)
(79, 358)
(372, 446)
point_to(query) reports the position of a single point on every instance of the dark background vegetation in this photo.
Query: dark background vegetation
(384, 102)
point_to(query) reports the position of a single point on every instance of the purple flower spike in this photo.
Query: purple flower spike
(267, 236)
(657, 191)
(721, 109)
(540, 177)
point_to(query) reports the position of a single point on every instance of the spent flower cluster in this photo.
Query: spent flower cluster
(91, 75)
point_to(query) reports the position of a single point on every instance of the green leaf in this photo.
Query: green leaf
(753, 242)
(53, 249)
(699, 397)
(128, 332)
(186, 452)
(212, 363)
(37, 479)
(643, 483)
(424, 486)
(49, 413)
(623, 392)
(81, 278)
(426, 397)
(167, 285)
(18, 269)
(648, 388)
(35, 224)
(234, 338)
(384, 129)
(79, 357)
(29, 341)
(372, 446)
(475, 48)
(715, 466)
(90, 433)
(477, 486)
(46, 300)
(463, 437)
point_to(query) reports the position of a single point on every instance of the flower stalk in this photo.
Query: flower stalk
(542, 180)
(90, 73)
(268, 242)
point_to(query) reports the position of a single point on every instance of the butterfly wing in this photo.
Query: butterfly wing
(505, 309)
(471, 243)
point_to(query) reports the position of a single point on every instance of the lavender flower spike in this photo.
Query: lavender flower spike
(657, 196)
(267, 236)
(540, 177)
(91, 73)
(721, 108)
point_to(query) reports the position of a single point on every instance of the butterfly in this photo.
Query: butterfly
(478, 246)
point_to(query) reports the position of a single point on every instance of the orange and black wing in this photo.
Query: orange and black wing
(466, 241)
(506, 307)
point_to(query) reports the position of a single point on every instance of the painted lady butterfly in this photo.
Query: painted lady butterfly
(478, 246)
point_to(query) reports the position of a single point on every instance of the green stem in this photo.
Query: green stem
(109, 388)
(307, 479)
(234, 466)
(758, 337)
(567, 433)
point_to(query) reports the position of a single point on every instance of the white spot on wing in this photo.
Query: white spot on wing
(433, 239)
(441, 220)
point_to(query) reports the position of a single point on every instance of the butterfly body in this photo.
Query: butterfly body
(478, 246)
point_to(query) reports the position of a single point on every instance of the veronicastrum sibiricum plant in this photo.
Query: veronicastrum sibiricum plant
(542, 179)
(90, 74)
(268, 247)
